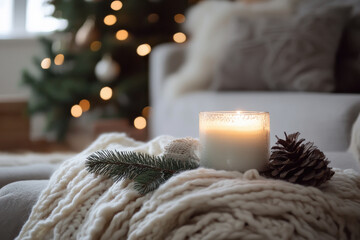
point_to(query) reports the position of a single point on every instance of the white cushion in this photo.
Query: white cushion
(343, 160)
(323, 118)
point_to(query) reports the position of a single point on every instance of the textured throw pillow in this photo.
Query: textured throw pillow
(239, 66)
(293, 53)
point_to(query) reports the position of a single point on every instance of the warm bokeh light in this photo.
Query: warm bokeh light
(179, 37)
(140, 123)
(122, 35)
(146, 111)
(110, 20)
(46, 63)
(143, 49)
(116, 5)
(59, 59)
(76, 111)
(106, 93)
(179, 18)
(85, 105)
(95, 46)
(153, 18)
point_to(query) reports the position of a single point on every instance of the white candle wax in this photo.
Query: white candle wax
(234, 140)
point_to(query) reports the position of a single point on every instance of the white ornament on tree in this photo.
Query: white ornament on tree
(87, 33)
(107, 69)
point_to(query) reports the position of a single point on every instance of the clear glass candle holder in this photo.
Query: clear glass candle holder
(234, 140)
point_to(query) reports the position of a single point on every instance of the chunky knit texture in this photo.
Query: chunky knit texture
(183, 149)
(355, 138)
(201, 204)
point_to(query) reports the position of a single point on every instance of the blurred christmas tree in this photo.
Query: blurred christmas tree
(100, 61)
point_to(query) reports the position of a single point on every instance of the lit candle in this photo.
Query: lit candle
(235, 140)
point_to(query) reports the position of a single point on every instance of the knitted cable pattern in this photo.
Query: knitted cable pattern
(355, 138)
(183, 149)
(197, 204)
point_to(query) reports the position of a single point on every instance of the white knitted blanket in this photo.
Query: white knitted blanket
(197, 204)
(355, 138)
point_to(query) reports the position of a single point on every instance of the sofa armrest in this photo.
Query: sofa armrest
(165, 59)
(28, 172)
(16, 202)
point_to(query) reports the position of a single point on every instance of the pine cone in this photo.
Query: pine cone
(296, 162)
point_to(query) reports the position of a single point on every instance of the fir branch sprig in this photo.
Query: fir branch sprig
(147, 171)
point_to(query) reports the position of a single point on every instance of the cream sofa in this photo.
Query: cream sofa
(240, 36)
(324, 118)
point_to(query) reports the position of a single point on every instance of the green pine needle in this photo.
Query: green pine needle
(147, 171)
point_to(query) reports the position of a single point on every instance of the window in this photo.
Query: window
(38, 17)
(24, 17)
(6, 7)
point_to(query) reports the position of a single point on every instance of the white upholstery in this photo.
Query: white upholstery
(343, 160)
(16, 202)
(11, 174)
(164, 60)
(325, 118)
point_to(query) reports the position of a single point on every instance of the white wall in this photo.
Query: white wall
(16, 55)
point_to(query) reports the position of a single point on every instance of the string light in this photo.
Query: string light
(179, 37)
(76, 111)
(59, 59)
(146, 111)
(153, 17)
(85, 105)
(140, 123)
(95, 46)
(122, 35)
(46, 63)
(143, 49)
(179, 18)
(110, 20)
(106, 93)
(116, 5)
